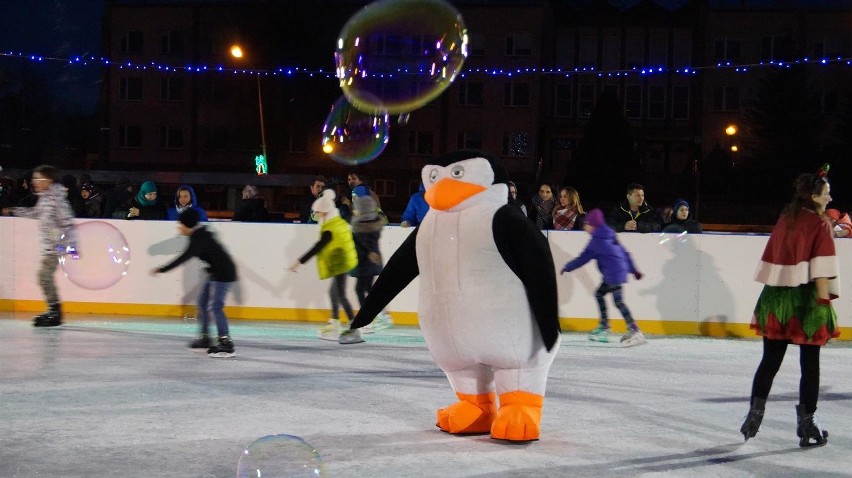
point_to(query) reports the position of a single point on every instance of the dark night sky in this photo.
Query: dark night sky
(57, 28)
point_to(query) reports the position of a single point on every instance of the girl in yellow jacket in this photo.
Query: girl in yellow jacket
(336, 256)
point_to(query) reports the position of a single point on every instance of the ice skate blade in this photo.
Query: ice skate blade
(221, 354)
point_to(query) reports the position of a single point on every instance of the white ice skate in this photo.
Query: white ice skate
(330, 331)
(631, 339)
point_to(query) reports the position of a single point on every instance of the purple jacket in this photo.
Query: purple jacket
(614, 261)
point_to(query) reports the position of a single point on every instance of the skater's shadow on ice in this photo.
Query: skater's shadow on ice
(192, 272)
(824, 394)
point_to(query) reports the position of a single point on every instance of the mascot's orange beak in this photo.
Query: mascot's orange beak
(447, 192)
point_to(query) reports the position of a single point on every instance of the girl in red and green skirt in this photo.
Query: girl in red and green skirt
(799, 269)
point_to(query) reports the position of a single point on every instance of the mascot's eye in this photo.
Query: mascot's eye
(457, 172)
(433, 175)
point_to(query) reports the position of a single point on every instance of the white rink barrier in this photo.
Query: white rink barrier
(696, 285)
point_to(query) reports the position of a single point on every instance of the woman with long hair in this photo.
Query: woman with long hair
(543, 203)
(799, 269)
(568, 215)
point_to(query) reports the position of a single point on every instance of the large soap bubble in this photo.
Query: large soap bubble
(351, 136)
(94, 255)
(395, 56)
(278, 456)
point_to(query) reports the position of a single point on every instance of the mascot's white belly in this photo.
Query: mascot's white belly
(473, 308)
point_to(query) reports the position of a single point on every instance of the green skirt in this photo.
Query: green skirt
(792, 313)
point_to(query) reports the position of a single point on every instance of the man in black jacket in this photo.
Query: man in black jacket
(634, 214)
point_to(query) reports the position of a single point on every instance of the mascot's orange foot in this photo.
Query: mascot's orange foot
(471, 414)
(519, 417)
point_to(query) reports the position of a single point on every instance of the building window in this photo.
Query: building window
(516, 144)
(611, 90)
(827, 47)
(476, 45)
(682, 49)
(171, 89)
(420, 142)
(173, 43)
(611, 53)
(389, 45)
(727, 50)
(776, 48)
(828, 101)
(519, 44)
(565, 49)
(385, 187)
(588, 51)
(516, 94)
(656, 102)
(209, 87)
(562, 100)
(171, 138)
(130, 89)
(470, 140)
(633, 101)
(635, 49)
(658, 50)
(586, 101)
(471, 93)
(215, 138)
(726, 98)
(423, 45)
(133, 43)
(129, 136)
(680, 102)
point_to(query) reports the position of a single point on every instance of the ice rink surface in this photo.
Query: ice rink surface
(104, 396)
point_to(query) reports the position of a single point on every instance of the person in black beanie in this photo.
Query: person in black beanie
(222, 273)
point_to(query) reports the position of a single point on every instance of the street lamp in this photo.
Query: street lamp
(731, 131)
(237, 52)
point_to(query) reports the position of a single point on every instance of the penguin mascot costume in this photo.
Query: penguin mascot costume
(488, 304)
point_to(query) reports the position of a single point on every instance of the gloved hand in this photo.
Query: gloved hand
(638, 275)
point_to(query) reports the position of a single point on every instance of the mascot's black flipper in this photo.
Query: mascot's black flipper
(527, 252)
(400, 270)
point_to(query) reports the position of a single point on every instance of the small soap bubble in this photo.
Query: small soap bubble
(279, 456)
(353, 137)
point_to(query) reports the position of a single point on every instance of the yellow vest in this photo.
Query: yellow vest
(338, 256)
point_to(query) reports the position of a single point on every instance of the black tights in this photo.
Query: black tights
(773, 355)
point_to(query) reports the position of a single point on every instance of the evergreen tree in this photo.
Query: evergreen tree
(785, 119)
(606, 160)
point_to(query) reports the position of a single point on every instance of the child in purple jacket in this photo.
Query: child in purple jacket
(614, 263)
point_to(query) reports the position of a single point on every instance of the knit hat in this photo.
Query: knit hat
(595, 217)
(88, 187)
(364, 207)
(122, 182)
(325, 203)
(189, 218)
(678, 204)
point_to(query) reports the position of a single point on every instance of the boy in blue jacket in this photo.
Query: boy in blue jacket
(614, 263)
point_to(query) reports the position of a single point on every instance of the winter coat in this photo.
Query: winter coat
(173, 212)
(251, 210)
(613, 260)
(647, 219)
(203, 245)
(55, 218)
(154, 212)
(416, 209)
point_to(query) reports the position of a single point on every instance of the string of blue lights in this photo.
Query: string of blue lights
(295, 70)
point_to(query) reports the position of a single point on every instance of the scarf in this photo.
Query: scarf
(544, 209)
(564, 219)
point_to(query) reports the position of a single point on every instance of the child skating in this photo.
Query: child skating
(336, 256)
(54, 215)
(211, 297)
(615, 263)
